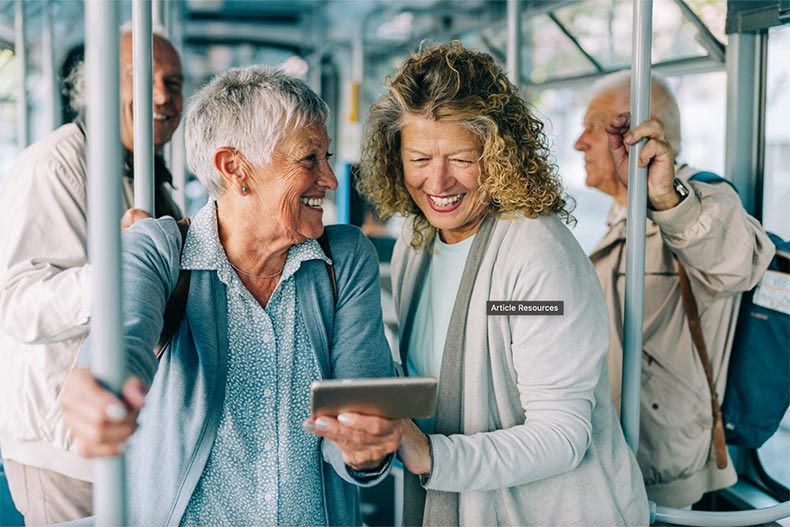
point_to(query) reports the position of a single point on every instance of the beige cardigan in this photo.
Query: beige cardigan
(541, 442)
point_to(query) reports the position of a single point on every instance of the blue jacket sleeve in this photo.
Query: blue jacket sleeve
(359, 347)
(150, 263)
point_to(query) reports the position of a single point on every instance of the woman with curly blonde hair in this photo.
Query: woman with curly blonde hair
(524, 431)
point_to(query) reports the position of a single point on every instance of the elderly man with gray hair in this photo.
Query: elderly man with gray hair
(45, 293)
(694, 228)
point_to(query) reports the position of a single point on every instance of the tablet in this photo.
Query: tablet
(390, 397)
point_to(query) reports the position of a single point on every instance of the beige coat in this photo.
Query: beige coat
(725, 252)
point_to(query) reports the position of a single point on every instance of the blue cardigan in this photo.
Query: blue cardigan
(168, 453)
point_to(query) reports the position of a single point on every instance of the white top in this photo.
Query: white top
(426, 344)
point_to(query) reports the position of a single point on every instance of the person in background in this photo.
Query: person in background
(724, 251)
(524, 431)
(45, 292)
(228, 409)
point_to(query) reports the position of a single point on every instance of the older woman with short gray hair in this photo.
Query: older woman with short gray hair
(268, 312)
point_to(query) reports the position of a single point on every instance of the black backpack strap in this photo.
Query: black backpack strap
(323, 241)
(177, 303)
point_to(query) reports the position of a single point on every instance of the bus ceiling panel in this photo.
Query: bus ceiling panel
(259, 33)
(204, 60)
(410, 22)
(284, 11)
(749, 16)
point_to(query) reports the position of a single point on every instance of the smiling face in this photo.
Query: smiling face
(292, 187)
(168, 99)
(441, 169)
(594, 143)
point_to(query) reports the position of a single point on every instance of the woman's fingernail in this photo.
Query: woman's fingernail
(140, 392)
(308, 427)
(344, 419)
(627, 137)
(321, 423)
(116, 411)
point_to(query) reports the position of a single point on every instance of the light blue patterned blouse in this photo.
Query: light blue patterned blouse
(264, 469)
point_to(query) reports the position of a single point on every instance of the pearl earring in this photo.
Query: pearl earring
(244, 189)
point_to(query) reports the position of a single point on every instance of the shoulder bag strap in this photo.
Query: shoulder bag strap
(177, 303)
(692, 316)
(323, 241)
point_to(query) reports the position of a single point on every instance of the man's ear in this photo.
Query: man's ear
(233, 168)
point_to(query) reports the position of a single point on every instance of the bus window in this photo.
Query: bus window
(774, 455)
(776, 192)
(563, 110)
(7, 109)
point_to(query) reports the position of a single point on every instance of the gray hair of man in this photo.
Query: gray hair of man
(74, 82)
(250, 109)
(663, 104)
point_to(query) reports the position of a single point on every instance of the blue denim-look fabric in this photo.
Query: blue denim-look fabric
(262, 469)
(178, 425)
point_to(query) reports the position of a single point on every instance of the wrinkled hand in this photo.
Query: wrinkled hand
(132, 216)
(100, 423)
(414, 451)
(657, 155)
(364, 440)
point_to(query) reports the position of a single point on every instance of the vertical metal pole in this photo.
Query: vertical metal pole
(513, 65)
(104, 247)
(21, 76)
(178, 156)
(159, 12)
(51, 98)
(635, 235)
(142, 48)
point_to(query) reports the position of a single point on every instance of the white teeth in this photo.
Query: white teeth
(446, 202)
(315, 203)
(160, 117)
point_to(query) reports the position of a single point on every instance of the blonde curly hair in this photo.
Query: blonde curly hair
(448, 82)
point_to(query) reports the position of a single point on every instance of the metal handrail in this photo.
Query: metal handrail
(142, 48)
(635, 226)
(104, 245)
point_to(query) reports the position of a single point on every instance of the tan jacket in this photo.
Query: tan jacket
(45, 294)
(725, 251)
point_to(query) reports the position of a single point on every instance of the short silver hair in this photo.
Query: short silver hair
(663, 104)
(250, 109)
(74, 82)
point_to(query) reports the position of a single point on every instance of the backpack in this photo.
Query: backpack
(176, 306)
(758, 379)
